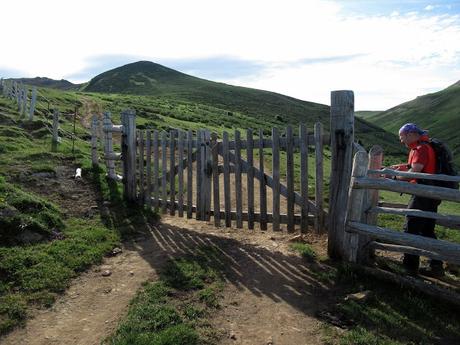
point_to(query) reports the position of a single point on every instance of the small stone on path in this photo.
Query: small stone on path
(106, 273)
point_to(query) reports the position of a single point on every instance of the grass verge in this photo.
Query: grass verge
(174, 310)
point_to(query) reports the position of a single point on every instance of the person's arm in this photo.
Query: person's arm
(415, 167)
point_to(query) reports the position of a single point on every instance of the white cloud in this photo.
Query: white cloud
(400, 55)
(429, 8)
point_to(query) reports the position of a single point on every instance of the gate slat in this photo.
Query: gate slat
(164, 170)
(207, 173)
(238, 187)
(227, 196)
(172, 176)
(262, 183)
(319, 220)
(290, 177)
(276, 178)
(198, 174)
(141, 167)
(148, 145)
(156, 168)
(215, 179)
(189, 174)
(180, 173)
(304, 176)
(250, 178)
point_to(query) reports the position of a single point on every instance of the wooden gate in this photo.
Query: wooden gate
(227, 178)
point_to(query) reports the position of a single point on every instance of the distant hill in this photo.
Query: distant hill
(437, 112)
(151, 79)
(364, 114)
(47, 82)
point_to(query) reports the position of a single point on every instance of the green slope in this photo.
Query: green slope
(197, 95)
(437, 112)
(47, 82)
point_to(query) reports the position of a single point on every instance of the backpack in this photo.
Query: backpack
(444, 164)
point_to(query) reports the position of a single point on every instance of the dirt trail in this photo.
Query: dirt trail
(270, 293)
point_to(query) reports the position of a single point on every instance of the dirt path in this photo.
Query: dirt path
(270, 295)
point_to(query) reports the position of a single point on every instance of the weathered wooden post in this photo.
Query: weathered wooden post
(25, 93)
(319, 178)
(94, 127)
(128, 146)
(342, 136)
(33, 101)
(351, 241)
(56, 138)
(108, 146)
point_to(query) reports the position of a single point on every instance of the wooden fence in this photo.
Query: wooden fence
(363, 234)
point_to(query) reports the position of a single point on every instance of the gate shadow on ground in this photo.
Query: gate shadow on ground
(264, 272)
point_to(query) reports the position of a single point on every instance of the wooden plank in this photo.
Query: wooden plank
(405, 249)
(238, 184)
(446, 294)
(129, 155)
(199, 174)
(267, 143)
(432, 192)
(207, 176)
(351, 248)
(141, 163)
(172, 175)
(262, 184)
(148, 147)
(319, 177)
(290, 178)
(180, 173)
(450, 221)
(164, 168)
(342, 138)
(227, 196)
(250, 177)
(189, 173)
(434, 177)
(215, 179)
(304, 176)
(276, 178)
(449, 250)
(156, 168)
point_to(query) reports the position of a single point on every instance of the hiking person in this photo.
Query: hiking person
(422, 159)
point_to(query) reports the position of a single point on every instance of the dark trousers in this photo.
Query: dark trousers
(420, 226)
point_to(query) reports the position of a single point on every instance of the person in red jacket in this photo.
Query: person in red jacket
(422, 158)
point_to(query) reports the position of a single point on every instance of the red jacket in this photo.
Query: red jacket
(421, 152)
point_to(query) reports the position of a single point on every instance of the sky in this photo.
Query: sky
(388, 52)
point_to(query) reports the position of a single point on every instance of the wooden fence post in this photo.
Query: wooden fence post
(108, 146)
(33, 100)
(319, 177)
(129, 155)
(371, 200)
(56, 138)
(94, 127)
(342, 136)
(351, 241)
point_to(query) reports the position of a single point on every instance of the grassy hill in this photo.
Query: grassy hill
(437, 112)
(47, 82)
(206, 101)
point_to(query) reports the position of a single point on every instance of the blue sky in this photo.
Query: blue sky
(387, 52)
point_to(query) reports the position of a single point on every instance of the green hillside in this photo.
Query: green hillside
(206, 101)
(47, 82)
(437, 112)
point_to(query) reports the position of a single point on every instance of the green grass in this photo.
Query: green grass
(390, 315)
(175, 309)
(305, 250)
(34, 274)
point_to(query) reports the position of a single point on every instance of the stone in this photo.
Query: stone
(106, 273)
(361, 296)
